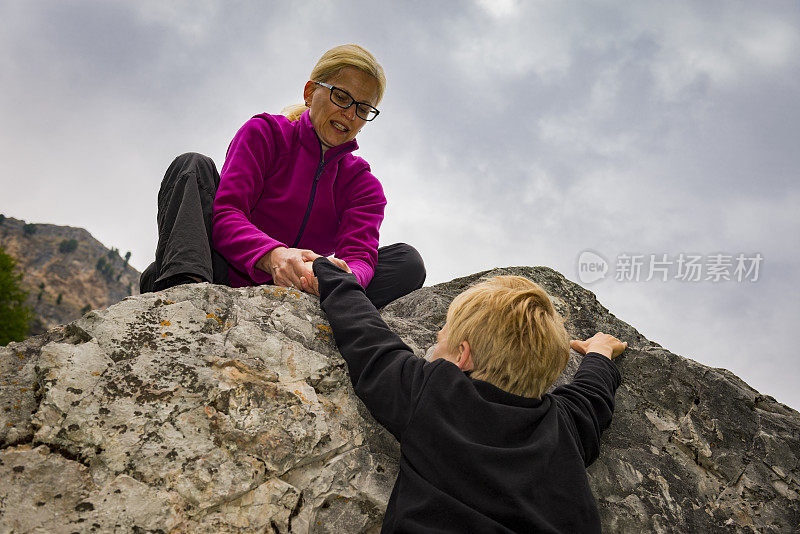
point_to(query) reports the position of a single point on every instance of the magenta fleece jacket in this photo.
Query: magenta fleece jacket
(276, 190)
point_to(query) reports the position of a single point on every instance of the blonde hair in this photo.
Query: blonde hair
(517, 339)
(334, 60)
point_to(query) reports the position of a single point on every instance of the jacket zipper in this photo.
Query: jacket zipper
(320, 166)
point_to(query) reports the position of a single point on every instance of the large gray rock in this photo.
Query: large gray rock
(210, 409)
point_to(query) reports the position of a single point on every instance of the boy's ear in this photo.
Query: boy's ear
(465, 356)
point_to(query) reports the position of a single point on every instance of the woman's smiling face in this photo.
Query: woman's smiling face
(333, 124)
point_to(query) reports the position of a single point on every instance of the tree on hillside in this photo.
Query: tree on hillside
(2, 218)
(29, 229)
(105, 268)
(14, 314)
(68, 245)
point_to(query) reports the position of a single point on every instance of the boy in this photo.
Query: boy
(486, 451)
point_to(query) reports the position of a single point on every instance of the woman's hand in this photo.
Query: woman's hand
(604, 344)
(292, 267)
(311, 285)
(287, 266)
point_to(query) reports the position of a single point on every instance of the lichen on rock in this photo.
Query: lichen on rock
(210, 409)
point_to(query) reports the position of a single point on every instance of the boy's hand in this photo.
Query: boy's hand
(287, 266)
(340, 264)
(309, 284)
(604, 344)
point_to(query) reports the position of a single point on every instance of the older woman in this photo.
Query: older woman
(290, 189)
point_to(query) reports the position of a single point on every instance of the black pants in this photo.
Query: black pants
(185, 246)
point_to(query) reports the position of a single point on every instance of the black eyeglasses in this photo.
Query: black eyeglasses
(342, 98)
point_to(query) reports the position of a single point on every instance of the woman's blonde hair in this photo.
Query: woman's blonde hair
(517, 339)
(334, 60)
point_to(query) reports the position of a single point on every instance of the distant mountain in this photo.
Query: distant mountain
(65, 270)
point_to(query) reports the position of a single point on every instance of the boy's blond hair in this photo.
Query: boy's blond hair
(517, 339)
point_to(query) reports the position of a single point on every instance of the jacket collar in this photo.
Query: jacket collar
(310, 140)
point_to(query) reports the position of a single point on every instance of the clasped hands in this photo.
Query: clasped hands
(291, 267)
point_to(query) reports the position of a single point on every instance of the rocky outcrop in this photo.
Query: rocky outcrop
(65, 270)
(210, 409)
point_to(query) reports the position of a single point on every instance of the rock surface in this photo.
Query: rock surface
(209, 409)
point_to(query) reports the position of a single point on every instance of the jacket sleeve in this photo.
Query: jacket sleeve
(589, 401)
(241, 182)
(359, 226)
(385, 373)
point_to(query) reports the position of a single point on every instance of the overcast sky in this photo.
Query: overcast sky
(511, 133)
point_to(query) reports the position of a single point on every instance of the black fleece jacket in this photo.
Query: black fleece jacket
(474, 458)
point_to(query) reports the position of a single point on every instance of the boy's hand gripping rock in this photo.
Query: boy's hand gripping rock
(604, 344)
